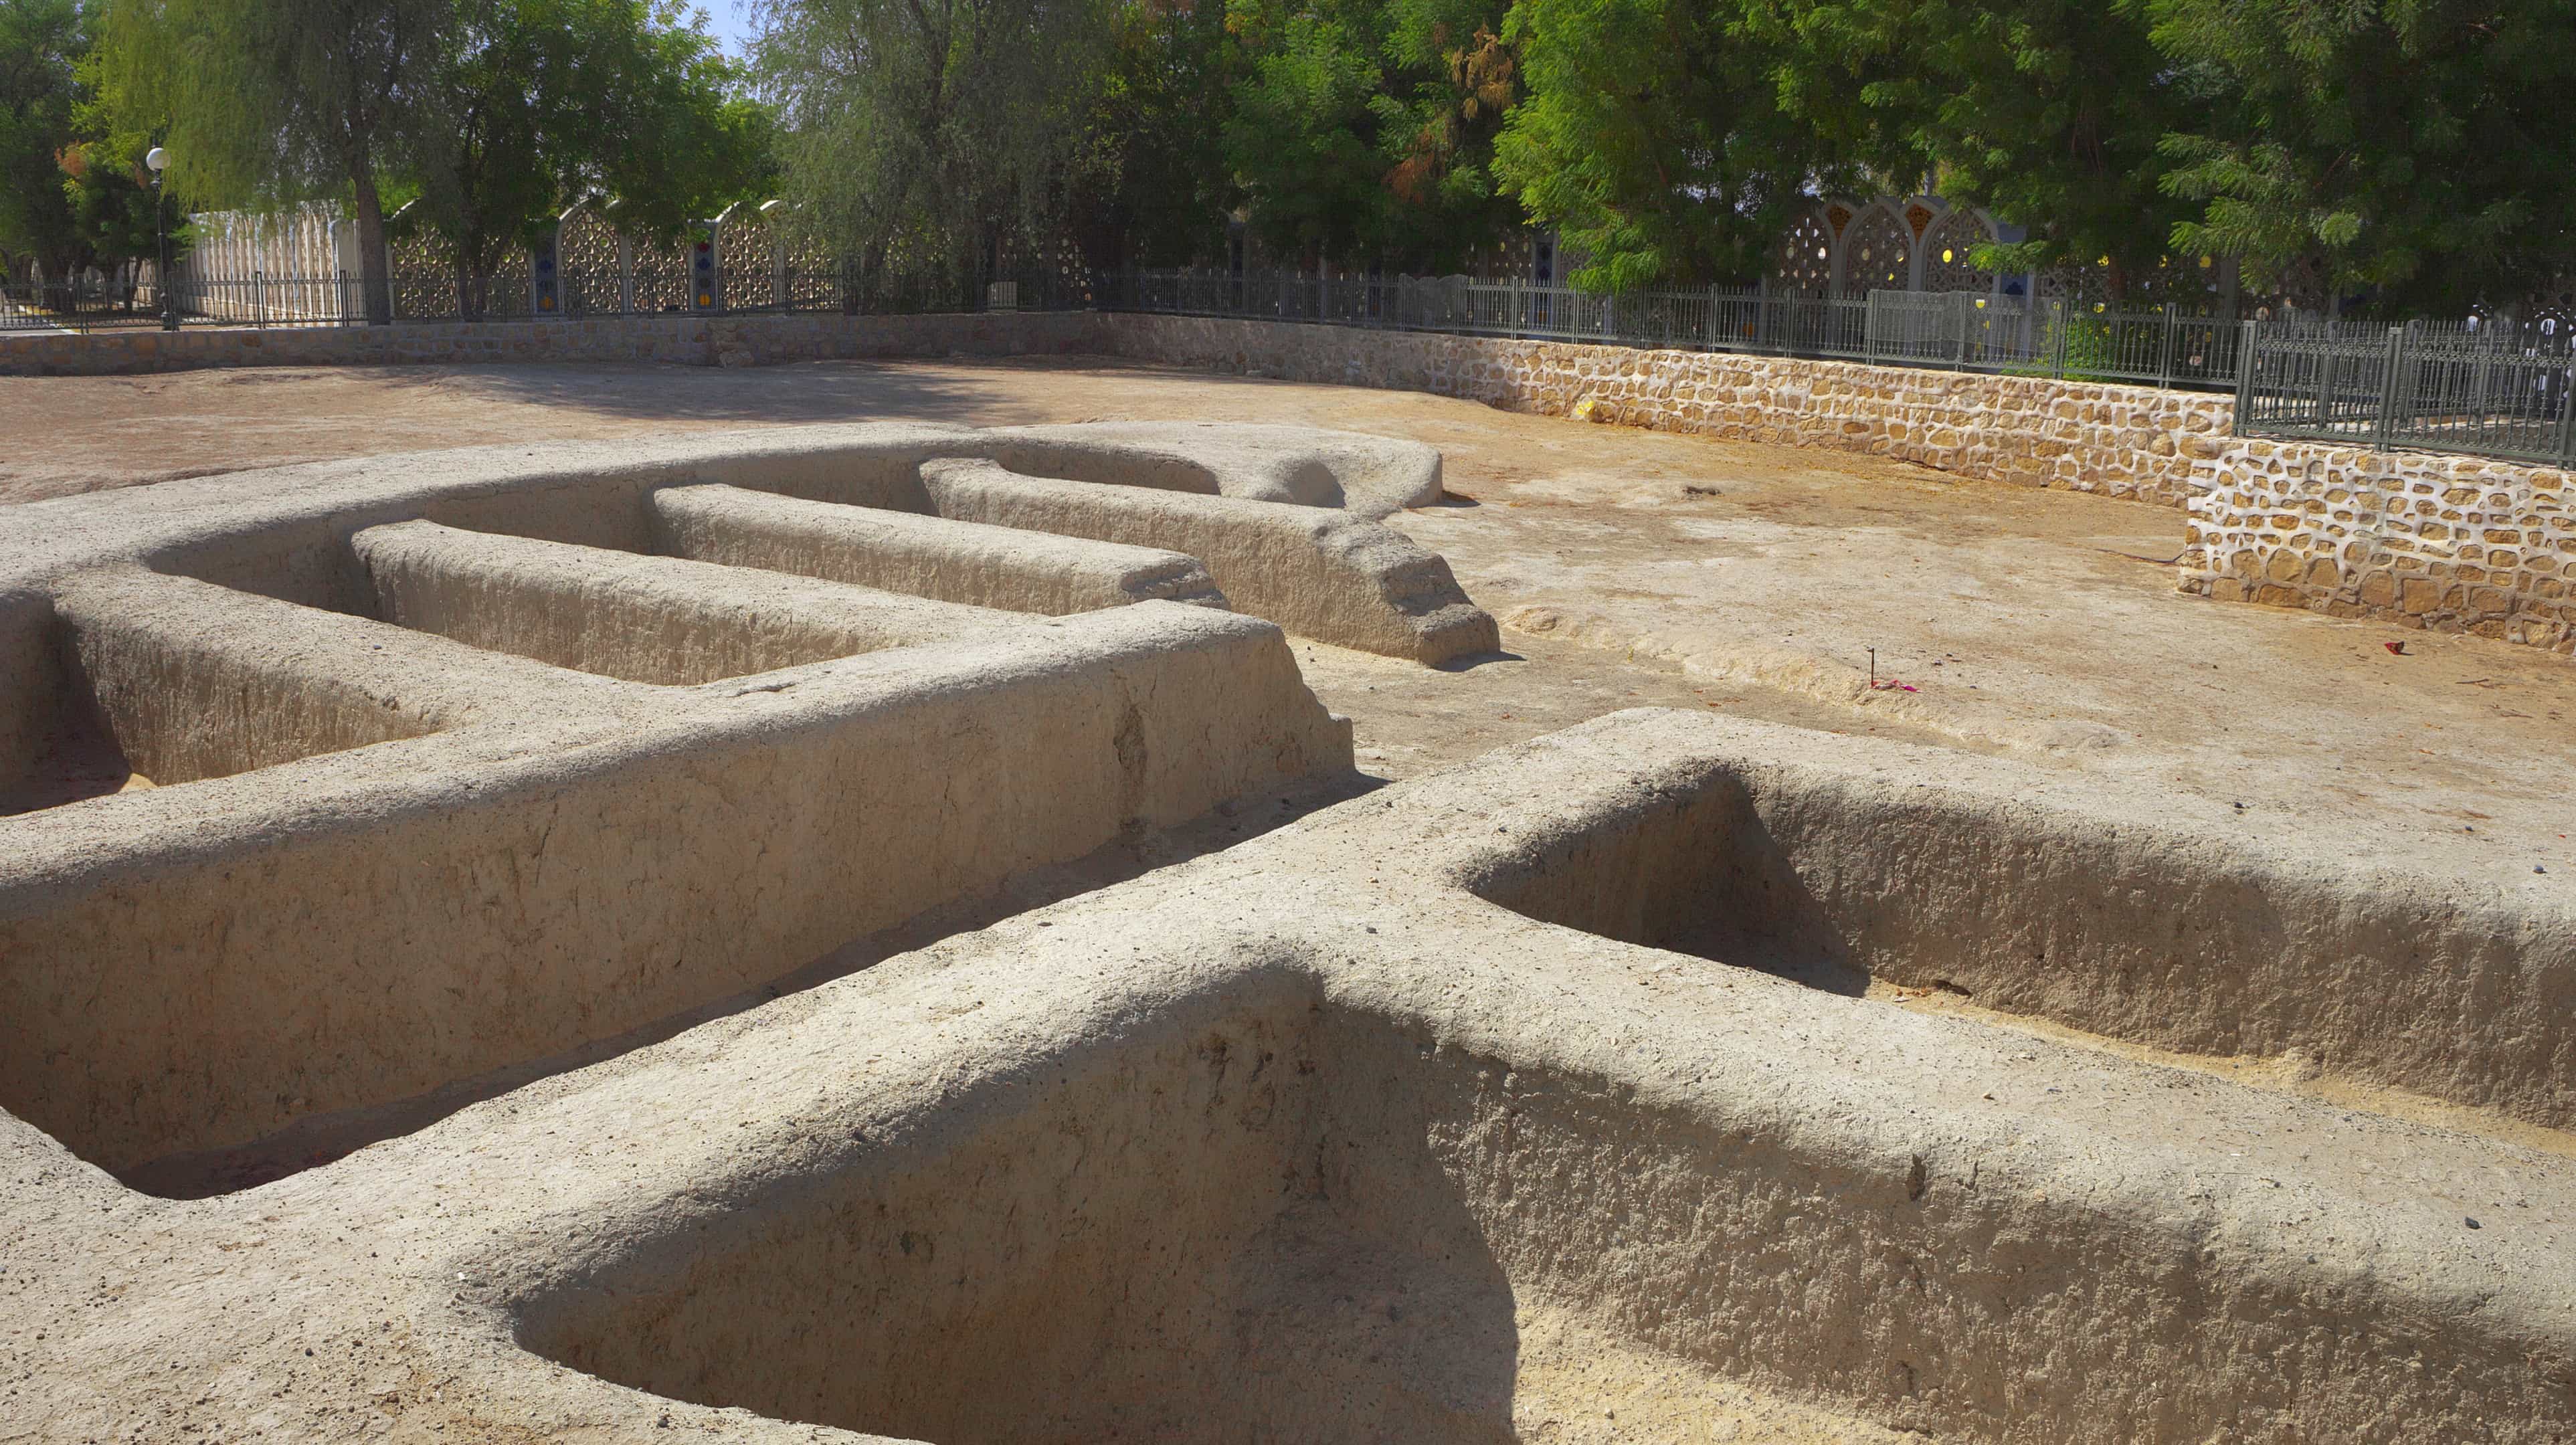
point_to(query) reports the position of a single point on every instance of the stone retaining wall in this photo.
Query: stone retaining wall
(2122, 441)
(687, 340)
(2455, 544)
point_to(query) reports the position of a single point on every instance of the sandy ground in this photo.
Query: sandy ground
(1628, 567)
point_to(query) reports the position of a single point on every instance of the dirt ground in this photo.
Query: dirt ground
(1628, 568)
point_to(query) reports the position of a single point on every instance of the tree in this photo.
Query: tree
(540, 102)
(117, 217)
(2411, 153)
(1365, 128)
(1147, 187)
(932, 136)
(1667, 140)
(267, 102)
(2049, 113)
(41, 42)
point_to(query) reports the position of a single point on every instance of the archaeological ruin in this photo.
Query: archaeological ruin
(627, 940)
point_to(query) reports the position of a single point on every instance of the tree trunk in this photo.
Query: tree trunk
(375, 283)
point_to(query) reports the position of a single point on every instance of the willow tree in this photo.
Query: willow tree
(41, 42)
(927, 135)
(265, 103)
(541, 102)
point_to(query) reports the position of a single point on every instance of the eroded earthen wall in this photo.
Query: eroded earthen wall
(2457, 544)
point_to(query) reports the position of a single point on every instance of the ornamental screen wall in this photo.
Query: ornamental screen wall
(1840, 248)
(302, 265)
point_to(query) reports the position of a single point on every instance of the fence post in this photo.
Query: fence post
(2164, 358)
(2567, 412)
(1869, 329)
(1961, 303)
(2057, 366)
(2385, 423)
(2245, 343)
(2329, 359)
(259, 300)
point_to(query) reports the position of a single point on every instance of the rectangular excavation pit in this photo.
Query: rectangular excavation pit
(152, 680)
(1299, 1220)
(969, 562)
(2167, 937)
(663, 620)
(186, 976)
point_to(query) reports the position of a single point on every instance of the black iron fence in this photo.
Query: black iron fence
(88, 303)
(2493, 390)
(1958, 330)
(260, 300)
(2500, 390)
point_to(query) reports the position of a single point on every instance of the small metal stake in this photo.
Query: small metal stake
(1873, 667)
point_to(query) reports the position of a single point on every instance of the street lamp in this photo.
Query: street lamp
(157, 160)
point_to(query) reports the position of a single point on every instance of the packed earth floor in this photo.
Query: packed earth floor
(2137, 821)
(1628, 568)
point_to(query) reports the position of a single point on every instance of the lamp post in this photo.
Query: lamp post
(157, 160)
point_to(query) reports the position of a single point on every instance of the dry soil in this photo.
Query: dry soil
(1628, 568)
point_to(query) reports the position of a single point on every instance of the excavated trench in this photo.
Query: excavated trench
(2181, 941)
(1275, 1215)
(1293, 1222)
(530, 833)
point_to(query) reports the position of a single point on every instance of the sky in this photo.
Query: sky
(730, 22)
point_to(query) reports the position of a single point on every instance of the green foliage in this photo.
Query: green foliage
(1668, 140)
(1364, 129)
(933, 136)
(2051, 113)
(116, 215)
(540, 102)
(41, 42)
(1147, 187)
(2415, 152)
(73, 193)
(267, 102)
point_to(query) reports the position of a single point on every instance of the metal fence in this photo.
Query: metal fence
(88, 304)
(2496, 390)
(259, 300)
(2500, 391)
(1956, 330)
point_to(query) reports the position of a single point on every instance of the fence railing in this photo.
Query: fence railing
(2502, 391)
(89, 304)
(339, 299)
(2494, 391)
(1957, 330)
